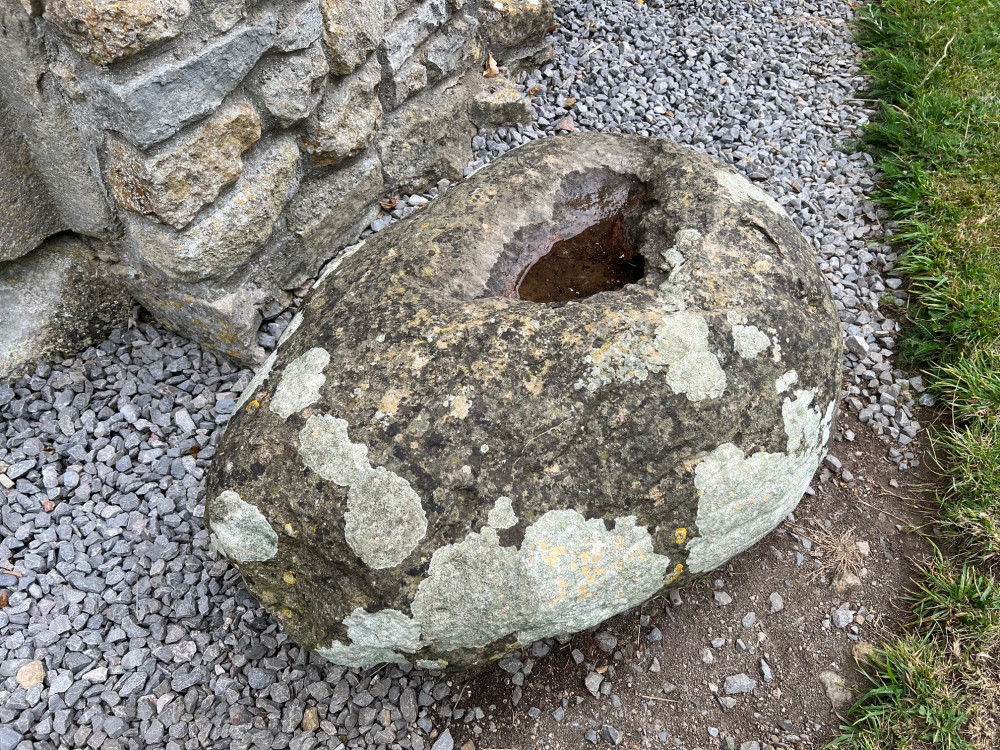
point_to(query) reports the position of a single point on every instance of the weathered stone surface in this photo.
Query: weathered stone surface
(327, 205)
(348, 117)
(35, 108)
(299, 26)
(174, 184)
(217, 243)
(29, 215)
(106, 32)
(428, 138)
(451, 50)
(510, 23)
(226, 321)
(351, 30)
(291, 85)
(500, 104)
(142, 152)
(403, 38)
(55, 300)
(455, 47)
(451, 470)
(155, 104)
(225, 14)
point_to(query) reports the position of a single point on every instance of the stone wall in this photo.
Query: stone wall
(215, 153)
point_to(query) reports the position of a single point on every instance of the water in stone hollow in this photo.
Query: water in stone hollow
(598, 259)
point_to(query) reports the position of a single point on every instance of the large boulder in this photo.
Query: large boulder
(597, 368)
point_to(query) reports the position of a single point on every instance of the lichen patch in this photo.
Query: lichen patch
(300, 383)
(679, 345)
(738, 189)
(475, 593)
(502, 515)
(385, 517)
(786, 381)
(749, 341)
(584, 573)
(326, 449)
(240, 531)
(742, 498)
(375, 637)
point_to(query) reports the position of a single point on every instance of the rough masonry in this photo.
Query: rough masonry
(213, 154)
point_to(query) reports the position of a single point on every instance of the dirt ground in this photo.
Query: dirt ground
(662, 693)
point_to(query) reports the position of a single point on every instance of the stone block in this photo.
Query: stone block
(348, 117)
(428, 138)
(328, 204)
(226, 320)
(499, 103)
(453, 49)
(224, 14)
(29, 214)
(450, 50)
(155, 104)
(176, 183)
(409, 478)
(410, 31)
(410, 79)
(351, 30)
(291, 86)
(54, 301)
(299, 26)
(107, 32)
(511, 23)
(221, 240)
(35, 102)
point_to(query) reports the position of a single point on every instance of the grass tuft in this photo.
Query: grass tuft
(934, 67)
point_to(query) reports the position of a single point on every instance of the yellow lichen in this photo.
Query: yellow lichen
(289, 578)
(673, 576)
(680, 536)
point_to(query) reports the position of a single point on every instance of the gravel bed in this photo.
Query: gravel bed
(122, 626)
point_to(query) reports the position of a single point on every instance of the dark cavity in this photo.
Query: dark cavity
(589, 247)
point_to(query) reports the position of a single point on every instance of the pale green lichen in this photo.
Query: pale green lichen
(502, 515)
(326, 449)
(300, 383)
(584, 573)
(672, 292)
(475, 593)
(375, 637)
(240, 531)
(738, 189)
(385, 517)
(432, 663)
(679, 345)
(569, 574)
(749, 341)
(743, 498)
(786, 381)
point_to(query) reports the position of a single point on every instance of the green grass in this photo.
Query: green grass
(935, 71)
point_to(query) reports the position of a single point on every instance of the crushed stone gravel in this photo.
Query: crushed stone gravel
(147, 637)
